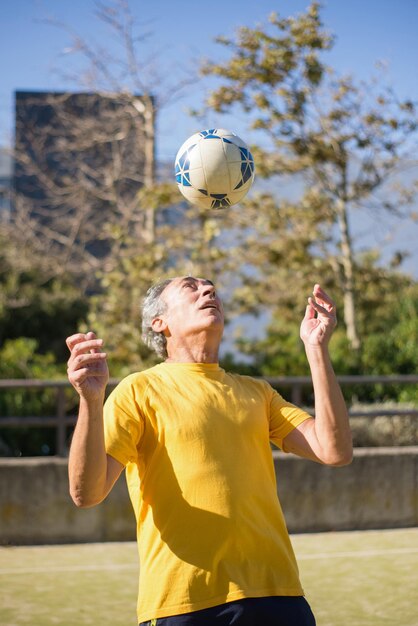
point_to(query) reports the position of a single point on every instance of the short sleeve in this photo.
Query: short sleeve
(284, 417)
(123, 423)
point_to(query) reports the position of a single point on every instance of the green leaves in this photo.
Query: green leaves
(340, 140)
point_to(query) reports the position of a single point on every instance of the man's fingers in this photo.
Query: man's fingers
(79, 376)
(86, 359)
(92, 336)
(92, 364)
(320, 308)
(310, 311)
(77, 338)
(85, 347)
(323, 298)
(325, 313)
(73, 340)
(83, 341)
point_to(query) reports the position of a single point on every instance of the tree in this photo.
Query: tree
(79, 166)
(344, 141)
(82, 160)
(388, 322)
(35, 302)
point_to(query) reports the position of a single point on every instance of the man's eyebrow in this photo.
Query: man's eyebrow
(206, 281)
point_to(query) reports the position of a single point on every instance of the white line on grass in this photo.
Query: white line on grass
(131, 566)
(68, 568)
(357, 553)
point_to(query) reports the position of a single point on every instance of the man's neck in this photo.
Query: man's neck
(192, 354)
(197, 347)
(186, 356)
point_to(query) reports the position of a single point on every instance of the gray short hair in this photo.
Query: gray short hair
(152, 306)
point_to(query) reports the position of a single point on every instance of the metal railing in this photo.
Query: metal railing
(62, 422)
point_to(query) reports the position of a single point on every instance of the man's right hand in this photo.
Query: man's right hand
(87, 367)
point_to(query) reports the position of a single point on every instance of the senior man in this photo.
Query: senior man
(195, 442)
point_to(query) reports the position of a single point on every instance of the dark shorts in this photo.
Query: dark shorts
(271, 611)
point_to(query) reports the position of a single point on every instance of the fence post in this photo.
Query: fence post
(296, 393)
(61, 435)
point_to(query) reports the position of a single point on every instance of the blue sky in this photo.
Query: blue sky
(183, 31)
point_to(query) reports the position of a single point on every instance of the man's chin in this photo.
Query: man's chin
(213, 322)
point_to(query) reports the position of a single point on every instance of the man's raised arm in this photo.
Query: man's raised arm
(327, 438)
(92, 472)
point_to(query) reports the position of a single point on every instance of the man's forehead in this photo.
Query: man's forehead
(178, 281)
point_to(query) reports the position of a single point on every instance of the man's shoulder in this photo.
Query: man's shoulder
(248, 380)
(138, 379)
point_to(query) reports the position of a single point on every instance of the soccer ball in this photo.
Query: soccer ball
(214, 169)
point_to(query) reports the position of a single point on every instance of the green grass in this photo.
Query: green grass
(361, 578)
(351, 578)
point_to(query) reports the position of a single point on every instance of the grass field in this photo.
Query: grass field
(352, 578)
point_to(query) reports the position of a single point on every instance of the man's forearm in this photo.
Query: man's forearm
(331, 417)
(87, 466)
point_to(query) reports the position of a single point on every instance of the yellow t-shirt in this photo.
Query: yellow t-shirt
(196, 443)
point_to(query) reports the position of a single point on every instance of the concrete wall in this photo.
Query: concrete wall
(378, 490)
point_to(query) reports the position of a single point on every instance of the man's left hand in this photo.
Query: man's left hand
(320, 319)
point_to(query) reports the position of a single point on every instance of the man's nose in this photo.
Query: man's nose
(208, 290)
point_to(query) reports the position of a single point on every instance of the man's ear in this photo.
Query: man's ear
(158, 325)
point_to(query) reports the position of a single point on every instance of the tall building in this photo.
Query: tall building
(5, 183)
(80, 160)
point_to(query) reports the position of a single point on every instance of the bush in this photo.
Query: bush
(19, 359)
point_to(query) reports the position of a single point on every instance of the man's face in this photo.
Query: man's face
(192, 306)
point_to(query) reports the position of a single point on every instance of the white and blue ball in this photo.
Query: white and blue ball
(214, 169)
